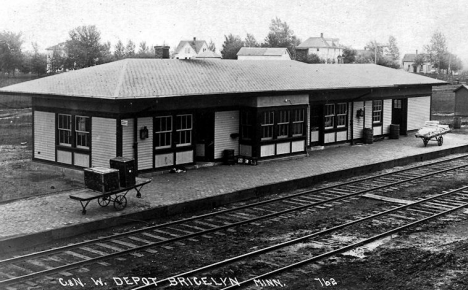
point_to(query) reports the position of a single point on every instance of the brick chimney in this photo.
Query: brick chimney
(321, 35)
(161, 51)
(194, 39)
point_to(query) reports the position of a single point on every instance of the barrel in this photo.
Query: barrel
(368, 136)
(228, 156)
(457, 123)
(394, 131)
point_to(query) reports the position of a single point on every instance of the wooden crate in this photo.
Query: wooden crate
(101, 179)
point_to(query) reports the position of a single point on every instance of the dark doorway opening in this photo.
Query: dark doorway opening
(400, 114)
(204, 138)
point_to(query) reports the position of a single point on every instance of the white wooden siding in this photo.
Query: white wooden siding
(298, 146)
(308, 126)
(145, 147)
(103, 141)
(44, 135)
(226, 123)
(377, 131)
(358, 123)
(163, 160)
(419, 111)
(81, 159)
(267, 150)
(368, 114)
(387, 116)
(341, 136)
(184, 157)
(283, 148)
(128, 139)
(64, 157)
(329, 138)
(245, 150)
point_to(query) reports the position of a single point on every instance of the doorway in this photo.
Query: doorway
(400, 114)
(204, 136)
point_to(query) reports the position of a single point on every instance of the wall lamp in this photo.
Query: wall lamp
(359, 113)
(143, 133)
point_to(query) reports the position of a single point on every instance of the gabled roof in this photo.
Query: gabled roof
(195, 44)
(157, 78)
(319, 42)
(262, 51)
(412, 56)
(208, 54)
(461, 87)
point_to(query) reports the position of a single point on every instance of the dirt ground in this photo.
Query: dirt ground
(20, 176)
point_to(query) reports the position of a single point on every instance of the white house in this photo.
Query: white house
(190, 48)
(263, 53)
(328, 49)
(408, 63)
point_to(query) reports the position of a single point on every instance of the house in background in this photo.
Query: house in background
(328, 49)
(54, 51)
(190, 48)
(409, 66)
(263, 53)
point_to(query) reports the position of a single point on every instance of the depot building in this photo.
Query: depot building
(165, 112)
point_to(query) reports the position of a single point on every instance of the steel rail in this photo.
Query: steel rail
(81, 263)
(305, 192)
(297, 240)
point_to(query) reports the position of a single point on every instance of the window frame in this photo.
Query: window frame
(187, 131)
(246, 125)
(298, 121)
(86, 133)
(283, 124)
(267, 116)
(329, 116)
(166, 132)
(61, 129)
(377, 111)
(341, 117)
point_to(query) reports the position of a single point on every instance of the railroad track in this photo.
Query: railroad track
(377, 226)
(22, 270)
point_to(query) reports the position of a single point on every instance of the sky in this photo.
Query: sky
(354, 22)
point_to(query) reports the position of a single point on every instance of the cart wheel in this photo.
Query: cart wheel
(425, 142)
(440, 141)
(139, 195)
(83, 211)
(104, 201)
(120, 202)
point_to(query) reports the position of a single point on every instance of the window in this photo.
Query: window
(268, 120)
(246, 125)
(187, 50)
(65, 129)
(377, 111)
(82, 132)
(184, 130)
(163, 132)
(74, 131)
(329, 116)
(397, 104)
(283, 124)
(298, 122)
(341, 113)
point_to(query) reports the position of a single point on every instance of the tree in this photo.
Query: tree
(130, 49)
(11, 56)
(83, 48)
(349, 55)
(119, 50)
(38, 61)
(56, 62)
(231, 46)
(281, 35)
(393, 48)
(250, 41)
(378, 56)
(313, 58)
(436, 49)
(212, 46)
(143, 50)
(419, 60)
(106, 53)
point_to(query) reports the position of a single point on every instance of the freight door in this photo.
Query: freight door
(204, 124)
(400, 114)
